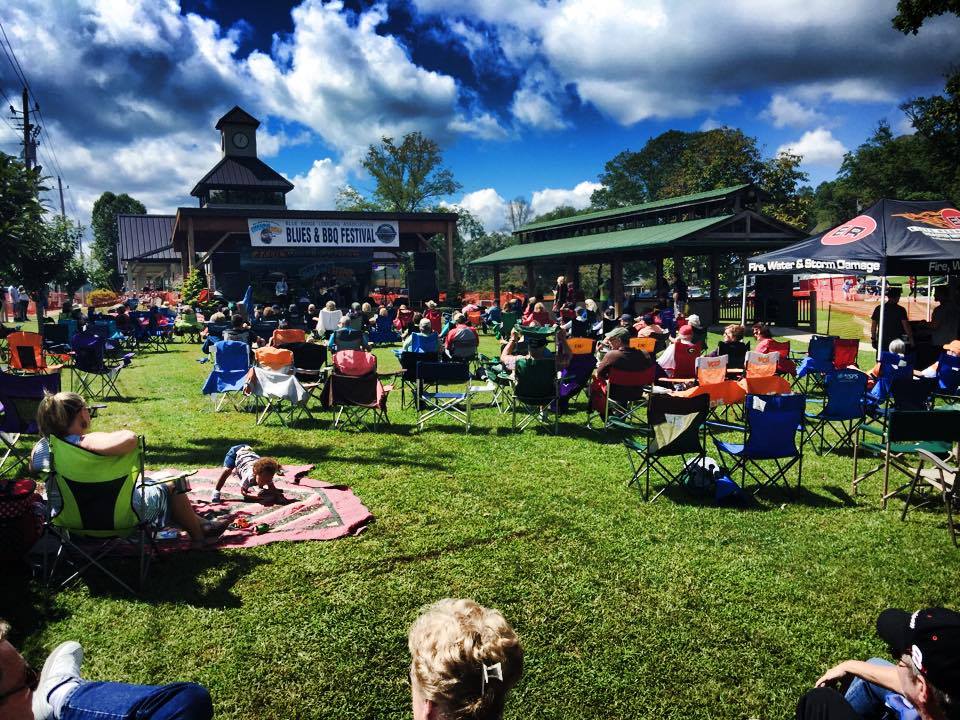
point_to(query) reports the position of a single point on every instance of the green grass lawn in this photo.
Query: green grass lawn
(677, 609)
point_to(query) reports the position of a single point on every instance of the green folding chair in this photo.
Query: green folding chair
(97, 491)
(507, 322)
(535, 391)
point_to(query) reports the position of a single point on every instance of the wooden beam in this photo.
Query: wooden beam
(616, 272)
(531, 278)
(714, 288)
(496, 285)
(451, 275)
(190, 244)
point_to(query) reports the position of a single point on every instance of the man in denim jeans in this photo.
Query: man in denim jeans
(923, 685)
(59, 693)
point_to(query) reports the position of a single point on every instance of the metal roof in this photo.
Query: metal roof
(145, 238)
(615, 242)
(633, 209)
(242, 173)
(238, 116)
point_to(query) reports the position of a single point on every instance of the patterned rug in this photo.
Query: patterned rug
(314, 510)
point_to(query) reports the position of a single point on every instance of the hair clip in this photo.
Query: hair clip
(493, 671)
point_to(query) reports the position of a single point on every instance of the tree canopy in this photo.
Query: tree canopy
(105, 235)
(410, 175)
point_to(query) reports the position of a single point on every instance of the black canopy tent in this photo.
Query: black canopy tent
(892, 237)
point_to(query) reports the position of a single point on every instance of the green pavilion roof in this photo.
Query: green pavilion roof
(619, 241)
(631, 209)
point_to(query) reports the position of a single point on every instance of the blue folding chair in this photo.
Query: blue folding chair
(769, 435)
(231, 365)
(844, 410)
(893, 367)
(948, 379)
(436, 402)
(383, 333)
(20, 396)
(818, 363)
(668, 321)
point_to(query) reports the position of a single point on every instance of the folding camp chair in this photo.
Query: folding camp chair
(27, 355)
(940, 478)
(283, 395)
(508, 321)
(736, 352)
(309, 360)
(20, 396)
(785, 365)
(769, 434)
(463, 347)
(475, 318)
(647, 344)
(56, 337)
(187, 324)
(215, 330)
(436, 402)
(408, 376)
(96, 376)
(499, 382)
(948, 379)
(667, 321)
(280, 338)
(383, 333)
(893, 368)
(96, 492)
(229, 375)
(906, 433)
(845, 352)
(576, 376)
(357, 401)
(617, 399)
(347, 339)
(535, 393)
(675, 428)
(844, 410)
(818, 362)
(275, 359)
(761, 364)
(264, 329)
(685, 359)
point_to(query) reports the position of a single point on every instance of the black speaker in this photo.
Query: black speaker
(423, 285)
(425, 261)
(775, 302)
(233, 284)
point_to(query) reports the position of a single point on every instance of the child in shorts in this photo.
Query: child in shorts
(250, 469)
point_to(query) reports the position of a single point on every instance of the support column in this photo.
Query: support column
(660, 281)
(451, 278)
(531, 279)
(190, 244)
(616, 272)
(714, 288)
(496, 285)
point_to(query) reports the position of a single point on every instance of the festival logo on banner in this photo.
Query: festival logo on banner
(851, 231)
(945, 223)
(267, 230)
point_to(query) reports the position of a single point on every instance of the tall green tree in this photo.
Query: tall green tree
(559, 212)
(791, 200)
(105, 235)
(631, 178)
(911, 13)
(21, 212)
(409, 175)
(49, 256)
(714, 159)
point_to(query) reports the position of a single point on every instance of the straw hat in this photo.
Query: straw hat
(953, 346)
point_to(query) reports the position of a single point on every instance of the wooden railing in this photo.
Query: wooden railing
(804, 306)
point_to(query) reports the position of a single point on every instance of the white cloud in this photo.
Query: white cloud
(317, 189)
(538, 100)
(488, 206)
(818, 147)
(904, 126)
(782, 111)
(710, 124)
(551, 198)
(638, 59)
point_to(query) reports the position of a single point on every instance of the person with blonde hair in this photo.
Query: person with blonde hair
(66, 416)
(464, 659)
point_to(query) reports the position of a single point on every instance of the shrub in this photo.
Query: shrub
(102, 297)
(192, 285)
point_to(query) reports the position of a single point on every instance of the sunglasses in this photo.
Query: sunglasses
(31, 678)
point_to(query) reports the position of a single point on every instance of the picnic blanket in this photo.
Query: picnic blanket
(315, 510)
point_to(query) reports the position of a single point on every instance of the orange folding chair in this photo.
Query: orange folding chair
(475, 317)
(647, 344)
(581, 346)
(274, 358)
(761, 364)
(845, 353)
(27, 355)
(286, 337)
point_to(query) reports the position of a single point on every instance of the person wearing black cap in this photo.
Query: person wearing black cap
(924, 684)
(621, 356)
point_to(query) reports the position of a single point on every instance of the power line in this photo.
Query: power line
(13, 61)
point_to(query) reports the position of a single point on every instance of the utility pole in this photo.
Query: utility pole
(30, 131)
(63, 212)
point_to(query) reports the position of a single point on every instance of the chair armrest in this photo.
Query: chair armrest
(725, 426)
(874, 430)
(928, 456)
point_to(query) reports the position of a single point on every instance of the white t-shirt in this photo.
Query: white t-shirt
(281, 288)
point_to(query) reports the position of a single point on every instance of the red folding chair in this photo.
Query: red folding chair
(845, 353)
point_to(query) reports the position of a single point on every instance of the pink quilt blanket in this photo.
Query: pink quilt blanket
(314, 510)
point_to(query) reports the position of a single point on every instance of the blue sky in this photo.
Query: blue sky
(527, 98)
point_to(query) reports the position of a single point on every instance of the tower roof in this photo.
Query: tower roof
(242, 173)
(238, 116)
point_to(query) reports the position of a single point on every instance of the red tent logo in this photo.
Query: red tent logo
(951, 216)
(851, 231)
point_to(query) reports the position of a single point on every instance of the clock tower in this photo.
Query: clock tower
(238, 133)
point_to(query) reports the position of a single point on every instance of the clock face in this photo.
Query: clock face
(241, 140)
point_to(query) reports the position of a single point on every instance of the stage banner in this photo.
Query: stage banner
(324, 233)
